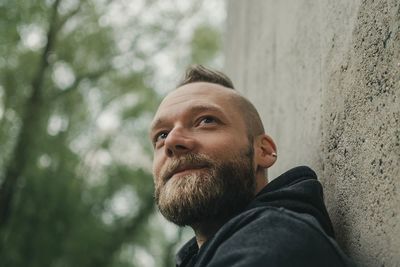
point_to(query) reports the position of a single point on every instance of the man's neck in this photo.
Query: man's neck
(206, 230)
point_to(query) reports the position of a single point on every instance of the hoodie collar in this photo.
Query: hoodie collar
(297, 190)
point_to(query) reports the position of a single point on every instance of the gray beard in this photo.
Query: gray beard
(212, 194)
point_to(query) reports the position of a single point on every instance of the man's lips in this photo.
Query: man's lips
(184, 169)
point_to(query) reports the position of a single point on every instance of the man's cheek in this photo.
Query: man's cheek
(156, 169)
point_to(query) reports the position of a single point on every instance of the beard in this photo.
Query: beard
(217, 191)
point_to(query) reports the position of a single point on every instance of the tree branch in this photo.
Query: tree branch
(69, 15)
(30, 118)
(91, 76)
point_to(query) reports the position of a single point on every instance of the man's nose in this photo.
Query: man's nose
(178, 142)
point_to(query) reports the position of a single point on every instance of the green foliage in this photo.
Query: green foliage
(206, 43)
(75, 187)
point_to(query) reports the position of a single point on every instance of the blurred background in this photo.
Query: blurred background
(79, 83)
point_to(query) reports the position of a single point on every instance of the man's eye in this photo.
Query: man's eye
(160, 136)
(207, 120)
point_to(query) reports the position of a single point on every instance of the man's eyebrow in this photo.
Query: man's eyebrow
(204, 107)
(193, 109)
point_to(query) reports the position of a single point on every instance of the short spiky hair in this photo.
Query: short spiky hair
(199, 73)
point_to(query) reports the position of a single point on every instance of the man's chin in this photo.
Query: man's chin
(186, 207)
(191, 210)
(186, 218)
(207, 194)
(192, 216)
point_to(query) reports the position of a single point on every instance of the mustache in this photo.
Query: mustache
(189, 161)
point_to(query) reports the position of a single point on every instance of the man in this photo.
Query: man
(211, 156)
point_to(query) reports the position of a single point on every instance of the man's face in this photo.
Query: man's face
(203, 161)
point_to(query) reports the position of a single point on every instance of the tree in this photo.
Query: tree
(76, 89)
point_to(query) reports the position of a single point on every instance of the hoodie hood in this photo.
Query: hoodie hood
(297, 190)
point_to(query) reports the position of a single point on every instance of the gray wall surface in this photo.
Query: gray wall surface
(325, 76)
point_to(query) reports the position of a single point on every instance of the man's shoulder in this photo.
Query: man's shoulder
(276, 235)
(268, 221)
(270, 216)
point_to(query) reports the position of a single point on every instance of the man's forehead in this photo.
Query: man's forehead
(201, 94)
(209, 92)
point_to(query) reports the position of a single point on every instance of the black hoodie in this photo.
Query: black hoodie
(285, 225)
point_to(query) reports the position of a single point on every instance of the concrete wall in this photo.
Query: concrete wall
(325, 76)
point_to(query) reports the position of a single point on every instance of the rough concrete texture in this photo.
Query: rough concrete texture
(325, 76)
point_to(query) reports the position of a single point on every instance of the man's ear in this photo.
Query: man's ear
(264, 151)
